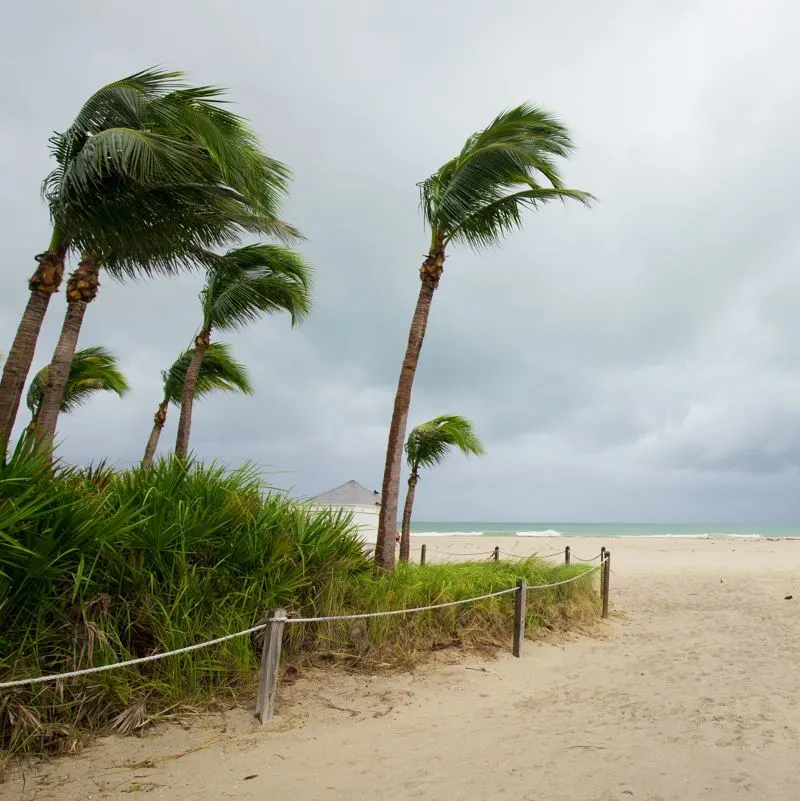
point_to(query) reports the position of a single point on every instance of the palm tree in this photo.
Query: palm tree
(219, 371)
(151, 176)
(93, 370)
(474, 199)
(73, 205)
(254, 280)
(430, 444)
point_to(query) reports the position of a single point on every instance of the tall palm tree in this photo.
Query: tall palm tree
(110, 116)
(151, 176)
(219, 371)
(430, 444)
(93, 370)
(474, 199)
(253, 280)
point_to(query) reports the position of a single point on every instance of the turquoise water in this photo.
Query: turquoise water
(690, 530)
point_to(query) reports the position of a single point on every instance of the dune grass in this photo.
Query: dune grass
(399, 641)
(98, 566)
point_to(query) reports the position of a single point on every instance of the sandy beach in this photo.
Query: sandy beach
(689, 691)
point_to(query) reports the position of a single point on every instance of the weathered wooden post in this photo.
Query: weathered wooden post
(606, 579)
(496, 555)
(422, 554)
(270, 661)
(566, 555)
(602, 569)
(519, 618)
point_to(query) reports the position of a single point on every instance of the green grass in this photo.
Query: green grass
(98, 566)
(400, 640)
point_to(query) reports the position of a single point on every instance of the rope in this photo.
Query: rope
(152, 658)
(578, 559)
(532, 555)
(197, 646)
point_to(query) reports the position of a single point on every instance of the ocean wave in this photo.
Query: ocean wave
(549, 532)
(721, 535)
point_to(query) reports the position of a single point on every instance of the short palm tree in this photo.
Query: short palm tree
(93, 370)
(430, 444)
(474, 199)
(151, 177)
(252, 281)
(219, 371)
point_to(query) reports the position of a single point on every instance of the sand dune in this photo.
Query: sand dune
(688, 692)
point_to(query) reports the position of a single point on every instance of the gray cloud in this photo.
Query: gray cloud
(633, 362)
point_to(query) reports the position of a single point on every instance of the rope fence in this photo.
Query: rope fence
(278, 619)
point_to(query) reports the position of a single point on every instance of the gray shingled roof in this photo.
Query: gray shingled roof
(351, 493)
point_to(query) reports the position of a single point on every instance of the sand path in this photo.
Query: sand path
(688, 693)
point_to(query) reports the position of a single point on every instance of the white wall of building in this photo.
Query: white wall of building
(364, 517)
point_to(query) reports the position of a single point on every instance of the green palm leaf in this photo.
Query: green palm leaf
(430, 443)
(93, 370)
(219, 371)
(256, 280)
(152, 171)
(480, 195)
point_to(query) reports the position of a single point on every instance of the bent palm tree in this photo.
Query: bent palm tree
(72, 207)
(93, 370)
(430, 444)
(219, 371)
(254, 280)
(474, 199)
(151, 176)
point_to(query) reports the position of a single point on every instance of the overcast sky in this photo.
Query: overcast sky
(634, 362)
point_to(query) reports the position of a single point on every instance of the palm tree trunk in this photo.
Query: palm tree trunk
(43, 283)
(430, 273)
(159, 419)
(201, 343)
(81, 291)
(405, 534)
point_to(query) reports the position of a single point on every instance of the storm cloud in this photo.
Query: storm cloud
(637, 361)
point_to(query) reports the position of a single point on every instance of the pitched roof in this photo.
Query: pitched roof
(351, 493)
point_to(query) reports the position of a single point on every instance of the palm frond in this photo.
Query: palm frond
(256, 280)
(479, 196)
(93, 370)
(484, 226)
(219, 372)
(431, 442)
(152, 171)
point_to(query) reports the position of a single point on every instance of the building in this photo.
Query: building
(355, 499)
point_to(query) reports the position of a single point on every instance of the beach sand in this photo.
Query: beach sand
(689, 691)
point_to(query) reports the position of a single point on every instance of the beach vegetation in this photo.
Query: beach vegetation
(98, 566)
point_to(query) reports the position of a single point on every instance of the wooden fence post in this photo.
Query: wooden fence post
(602, 569)
(519, 618)
(496, 556)
(270, 661)
(422, 554)
(566, 555)
(606, 577)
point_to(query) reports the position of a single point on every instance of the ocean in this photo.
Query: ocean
(686, 530)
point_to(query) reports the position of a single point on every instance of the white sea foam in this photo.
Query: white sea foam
(546, 533)
(704, 536)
